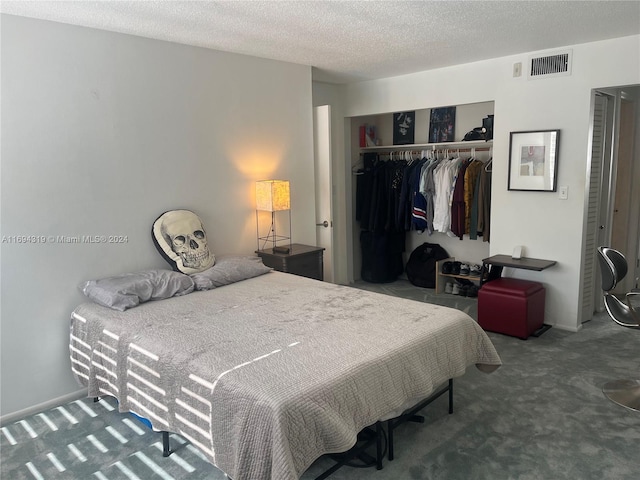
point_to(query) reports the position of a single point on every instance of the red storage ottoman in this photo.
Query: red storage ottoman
(511, 306)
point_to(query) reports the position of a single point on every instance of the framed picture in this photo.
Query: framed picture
(404, 127)
(533, 160)
(442, 124)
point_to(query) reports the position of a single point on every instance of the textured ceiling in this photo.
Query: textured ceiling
(349, 41)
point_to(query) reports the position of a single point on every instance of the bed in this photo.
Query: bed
(267, 374)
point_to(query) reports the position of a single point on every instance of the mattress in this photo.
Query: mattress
(266, 375)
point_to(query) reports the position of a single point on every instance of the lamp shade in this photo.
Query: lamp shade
(272, 195)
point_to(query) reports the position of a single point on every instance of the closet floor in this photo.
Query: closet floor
(405, 289)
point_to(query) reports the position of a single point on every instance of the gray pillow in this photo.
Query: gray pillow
(229, 269)
(131, 289)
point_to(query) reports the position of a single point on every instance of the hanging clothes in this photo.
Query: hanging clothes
(484, 204)
(377, 199)
(473, 220)
(450, 196)
(428, 190)
(364, 184)
(458, 209)
(418, 202)
(444, 178)
(471, 176)
(403, 218)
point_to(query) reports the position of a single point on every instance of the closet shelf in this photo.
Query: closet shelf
(451, 145)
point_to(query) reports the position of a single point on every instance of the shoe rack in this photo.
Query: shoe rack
(441, 278)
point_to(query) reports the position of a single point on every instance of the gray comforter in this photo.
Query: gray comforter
(267, 374)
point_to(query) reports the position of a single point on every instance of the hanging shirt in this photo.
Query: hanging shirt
(458, 214)
(444, 179)
(484, 204)
(470, 180)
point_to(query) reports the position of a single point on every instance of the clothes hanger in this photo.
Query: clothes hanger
(488, 167)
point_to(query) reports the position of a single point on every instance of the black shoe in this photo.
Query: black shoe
(455, 269)
(447, 267)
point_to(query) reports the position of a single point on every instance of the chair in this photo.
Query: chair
(613, 268)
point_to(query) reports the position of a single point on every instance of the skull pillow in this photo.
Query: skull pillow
(181, 239)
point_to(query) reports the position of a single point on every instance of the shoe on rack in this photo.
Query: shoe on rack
(464, 291)
(448, 288)
(472, 291)
(464, 269)
(447, 267)
(456, 289)
(475, 270)
(455, 268)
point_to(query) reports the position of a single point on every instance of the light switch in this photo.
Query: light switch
(517, 69)
(564, 193)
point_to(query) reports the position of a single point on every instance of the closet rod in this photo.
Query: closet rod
(477, 149)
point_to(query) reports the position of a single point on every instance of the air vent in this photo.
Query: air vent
(550, 65)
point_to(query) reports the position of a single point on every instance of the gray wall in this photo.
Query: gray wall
(102, 132)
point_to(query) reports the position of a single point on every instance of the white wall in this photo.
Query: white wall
(548, 227)
(101, 133)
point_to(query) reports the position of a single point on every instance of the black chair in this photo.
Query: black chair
(613, 267)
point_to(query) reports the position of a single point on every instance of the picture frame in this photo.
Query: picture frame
(404, 126)
(533, 160)
(442, 122)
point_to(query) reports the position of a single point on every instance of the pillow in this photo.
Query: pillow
(182, 241)
(229, 269)
(131, 289)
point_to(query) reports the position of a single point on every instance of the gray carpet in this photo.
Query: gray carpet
(542, 416)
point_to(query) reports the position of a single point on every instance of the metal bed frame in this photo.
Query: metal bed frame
(370, 436)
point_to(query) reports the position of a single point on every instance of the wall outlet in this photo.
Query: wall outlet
(563, 193)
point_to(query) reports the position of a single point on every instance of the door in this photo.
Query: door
(322, 165)
(614, 205)
(596, 230)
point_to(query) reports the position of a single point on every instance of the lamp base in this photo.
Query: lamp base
(281, 249)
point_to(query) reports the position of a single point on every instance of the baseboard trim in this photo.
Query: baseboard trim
(41, 407)
(568, 328)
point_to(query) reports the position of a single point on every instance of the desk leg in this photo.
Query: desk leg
(493, 272)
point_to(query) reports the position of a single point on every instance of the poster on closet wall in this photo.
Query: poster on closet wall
(442, 124)
(404, 127)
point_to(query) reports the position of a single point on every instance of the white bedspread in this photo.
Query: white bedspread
(266, 375)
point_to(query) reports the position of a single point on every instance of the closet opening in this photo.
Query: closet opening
(393, 157)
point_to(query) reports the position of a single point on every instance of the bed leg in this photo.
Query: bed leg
(379, 434)
(450, 396)
(166, 448)
(390, 439)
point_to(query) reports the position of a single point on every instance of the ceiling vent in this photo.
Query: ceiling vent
(554, 65)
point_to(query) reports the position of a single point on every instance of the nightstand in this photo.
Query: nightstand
(303, 260)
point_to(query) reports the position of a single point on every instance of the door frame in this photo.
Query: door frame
(324, 205)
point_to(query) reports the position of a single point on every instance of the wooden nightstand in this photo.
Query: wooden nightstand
(303, 260)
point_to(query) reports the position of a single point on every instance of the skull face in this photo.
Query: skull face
(185, 234)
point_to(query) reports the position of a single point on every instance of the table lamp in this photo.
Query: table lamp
(273, 196)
